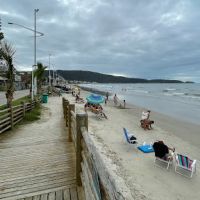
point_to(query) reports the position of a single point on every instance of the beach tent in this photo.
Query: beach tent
(95, 99)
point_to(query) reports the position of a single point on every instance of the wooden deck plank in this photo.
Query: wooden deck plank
(36, 197)
(44, 197)
(29, 198)
(36, 188)
(80, 193)
(38, 164)
(45, 184)
(66, 194)
(59, 195)
(52, 196)
(73, 193)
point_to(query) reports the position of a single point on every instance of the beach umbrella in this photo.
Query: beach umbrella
(95, 99)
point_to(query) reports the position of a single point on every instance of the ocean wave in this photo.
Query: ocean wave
(178, 93)
(142, 91)
(169, 89)
(196, 95)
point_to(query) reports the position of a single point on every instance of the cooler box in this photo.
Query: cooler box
(45, 98)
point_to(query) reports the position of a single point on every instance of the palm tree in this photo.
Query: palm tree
(39, 73)
(7, 52)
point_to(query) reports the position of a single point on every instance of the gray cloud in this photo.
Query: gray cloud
(135, 38)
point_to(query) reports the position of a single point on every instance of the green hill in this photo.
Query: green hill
(88, 76)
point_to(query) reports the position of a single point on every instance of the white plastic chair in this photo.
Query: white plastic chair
(158, 161)
(184, 165)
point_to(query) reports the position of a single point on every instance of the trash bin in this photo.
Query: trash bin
(45, 98)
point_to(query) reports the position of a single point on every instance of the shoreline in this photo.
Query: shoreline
(168, 123)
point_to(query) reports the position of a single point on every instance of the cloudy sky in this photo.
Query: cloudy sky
(135, 38)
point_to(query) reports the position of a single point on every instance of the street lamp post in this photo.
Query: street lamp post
(36, 33)
(35, 79)
(49, 71)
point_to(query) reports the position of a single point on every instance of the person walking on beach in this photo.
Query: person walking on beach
(124, 103)
(115, 99)
(107, 95)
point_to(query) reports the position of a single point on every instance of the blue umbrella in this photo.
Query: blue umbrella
(95, 99)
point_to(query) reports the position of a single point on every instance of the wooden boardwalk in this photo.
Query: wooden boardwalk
(36, 160)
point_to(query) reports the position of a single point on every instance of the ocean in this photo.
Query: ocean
(181, 101)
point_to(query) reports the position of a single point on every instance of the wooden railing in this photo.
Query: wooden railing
(91, 170)
(11, 116)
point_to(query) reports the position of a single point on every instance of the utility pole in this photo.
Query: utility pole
(49, 71)
(53, 75)
(34, 89)
(34, 66)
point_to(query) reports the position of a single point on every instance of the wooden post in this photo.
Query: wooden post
(71, 108)
(24, 108)
(66, 102)
(11, 117)
(81, 121)
(63, 99)
(31, 104)
(67, 108)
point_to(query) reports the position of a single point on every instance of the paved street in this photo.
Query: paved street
(17, 95)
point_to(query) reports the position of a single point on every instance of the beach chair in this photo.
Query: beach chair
(130, 138)
(185, 166)
(163, 157)
(163, 163)
(99, 113)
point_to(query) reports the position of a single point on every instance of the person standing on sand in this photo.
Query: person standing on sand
(124, 104)
(115, 99)
(107, 95)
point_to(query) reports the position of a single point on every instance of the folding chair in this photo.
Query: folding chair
(163, 158)
(99, 113)
(130, 138)
(163, 163)
(185, 166)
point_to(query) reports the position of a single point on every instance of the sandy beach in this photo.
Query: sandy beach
(145, 180)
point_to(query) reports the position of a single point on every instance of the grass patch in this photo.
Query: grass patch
(20, 100)
(33, 115)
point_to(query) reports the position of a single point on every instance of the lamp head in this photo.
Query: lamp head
(36, 10)
(10, 23)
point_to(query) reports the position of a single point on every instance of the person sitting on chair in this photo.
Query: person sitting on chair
(79, 99)
(99, 111)
(163, 151)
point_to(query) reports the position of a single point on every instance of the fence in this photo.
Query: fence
(91, 170)
(11, 116)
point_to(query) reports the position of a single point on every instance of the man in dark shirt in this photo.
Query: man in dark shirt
(162, 150)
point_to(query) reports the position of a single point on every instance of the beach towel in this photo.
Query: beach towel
(146, 148)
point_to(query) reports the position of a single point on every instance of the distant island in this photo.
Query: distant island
(88, 76)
